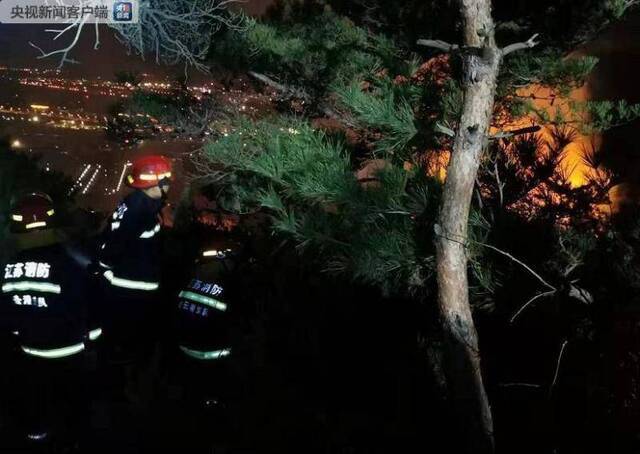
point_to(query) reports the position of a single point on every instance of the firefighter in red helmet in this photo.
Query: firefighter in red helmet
(129, 261)
(43, 301)
(129, 249)
(149, 172)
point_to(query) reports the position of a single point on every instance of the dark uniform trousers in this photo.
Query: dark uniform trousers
(128, 353)
(207, 392)
(53, 395)
(205, 382)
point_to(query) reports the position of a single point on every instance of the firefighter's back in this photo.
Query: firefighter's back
(44, 298)
(205, 341)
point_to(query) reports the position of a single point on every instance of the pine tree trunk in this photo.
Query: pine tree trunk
(481, 62)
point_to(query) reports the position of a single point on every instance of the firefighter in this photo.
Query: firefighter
(44, 300)
(129, 261)
(207, 332)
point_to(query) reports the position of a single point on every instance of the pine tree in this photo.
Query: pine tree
(357, 175)
(386, 111)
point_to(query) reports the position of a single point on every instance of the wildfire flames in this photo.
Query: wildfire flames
(542, 98)
(561, 178)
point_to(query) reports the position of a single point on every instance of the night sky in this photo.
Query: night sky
(111, 56)
(16, 51)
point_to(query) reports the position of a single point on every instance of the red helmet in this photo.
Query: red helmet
(149, 171)
(32, 211)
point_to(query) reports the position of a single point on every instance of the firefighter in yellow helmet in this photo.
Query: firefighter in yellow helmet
(44, 301)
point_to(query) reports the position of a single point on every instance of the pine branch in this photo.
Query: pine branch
(531, 301)
(269, 81)
(557, 372)
(530, 43)
(438, 44)
(515, 132)
(439, 127)
(519, 262)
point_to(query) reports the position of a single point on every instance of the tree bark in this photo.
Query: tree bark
(481, 63)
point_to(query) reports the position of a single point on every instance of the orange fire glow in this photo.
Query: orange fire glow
(544, 99)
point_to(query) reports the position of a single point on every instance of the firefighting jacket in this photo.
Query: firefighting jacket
(205, 312)
(129, 254)
(44, 298)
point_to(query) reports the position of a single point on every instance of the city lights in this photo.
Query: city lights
(71, 114)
